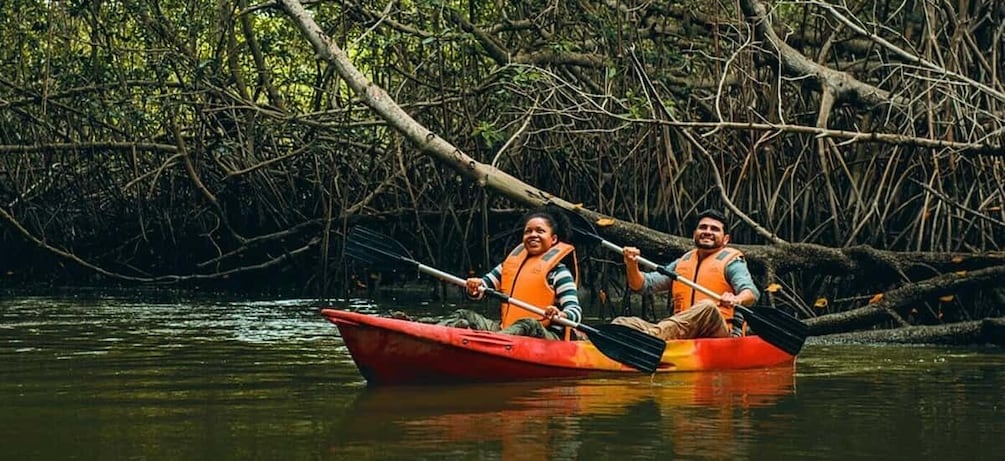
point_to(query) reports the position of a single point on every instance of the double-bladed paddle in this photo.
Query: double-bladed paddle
(622, 344)
(772, 325)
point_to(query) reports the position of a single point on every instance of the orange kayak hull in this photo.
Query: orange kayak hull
(400, 352)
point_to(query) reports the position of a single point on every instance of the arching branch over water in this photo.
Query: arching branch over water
(859, 152)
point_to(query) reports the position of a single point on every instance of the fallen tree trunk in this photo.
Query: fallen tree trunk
(772, 259)
(895, 303)
(978, 332)
(925, 273)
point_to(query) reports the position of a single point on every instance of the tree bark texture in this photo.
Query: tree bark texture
(857, 148)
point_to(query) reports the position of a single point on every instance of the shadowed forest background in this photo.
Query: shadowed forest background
(856, 146)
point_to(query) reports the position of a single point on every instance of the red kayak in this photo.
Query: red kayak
(400, 352)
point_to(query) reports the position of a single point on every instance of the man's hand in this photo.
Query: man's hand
(743, 298)
(632, 273)
(729, 299)
(631, 255)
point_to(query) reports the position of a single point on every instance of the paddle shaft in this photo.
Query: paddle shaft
(500, 295)
(628, 346)
(653, 266)
(669, 273)
(781, 330)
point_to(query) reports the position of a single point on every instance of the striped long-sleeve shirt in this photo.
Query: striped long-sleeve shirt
(560, 279)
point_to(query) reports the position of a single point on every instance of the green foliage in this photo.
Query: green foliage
(638, 105)
(526, 76)
(247, 133)
(488, 133)
(789, 11)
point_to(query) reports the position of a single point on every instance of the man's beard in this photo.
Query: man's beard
(706, 246)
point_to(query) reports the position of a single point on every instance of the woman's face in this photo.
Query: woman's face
(538, 236)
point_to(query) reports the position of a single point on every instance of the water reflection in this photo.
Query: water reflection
(568, 419)
(93, 376)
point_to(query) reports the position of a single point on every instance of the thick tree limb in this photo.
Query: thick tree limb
(378, 100)
(780, 258)
(902, 299)
(986, 331)
(845, 87)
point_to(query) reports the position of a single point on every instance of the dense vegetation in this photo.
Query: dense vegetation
(858, 145)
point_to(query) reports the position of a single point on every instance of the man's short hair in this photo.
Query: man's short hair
(714, 214)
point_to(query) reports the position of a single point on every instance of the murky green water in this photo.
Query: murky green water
(184, 378)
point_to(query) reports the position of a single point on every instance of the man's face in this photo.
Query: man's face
(710, 235)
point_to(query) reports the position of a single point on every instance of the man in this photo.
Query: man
(712, 265)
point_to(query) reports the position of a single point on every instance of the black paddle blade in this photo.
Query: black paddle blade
(583, 230)
(777, 328)
(374, 248)
(782, 319)
(627, 345)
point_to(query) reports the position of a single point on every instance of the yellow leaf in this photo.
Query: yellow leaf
(876, 298)
(946, 298)
(604, 222)
(820, 303)
(773, 288)
(957, 259)
(961, 273)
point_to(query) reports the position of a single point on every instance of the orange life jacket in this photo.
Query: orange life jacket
(710, 273)
(526, 278)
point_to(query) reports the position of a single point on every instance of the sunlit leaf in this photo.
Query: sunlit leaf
(773, 288)
(946, 298)
(876, 298)
(820, 303)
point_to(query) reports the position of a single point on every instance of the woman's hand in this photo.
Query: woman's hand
(552, 313)
(475, 287)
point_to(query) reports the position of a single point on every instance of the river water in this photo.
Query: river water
(172, 376)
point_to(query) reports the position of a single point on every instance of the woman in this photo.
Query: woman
(533, 272)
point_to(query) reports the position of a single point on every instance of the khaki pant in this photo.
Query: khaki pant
(702, 320)
(464, 318)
